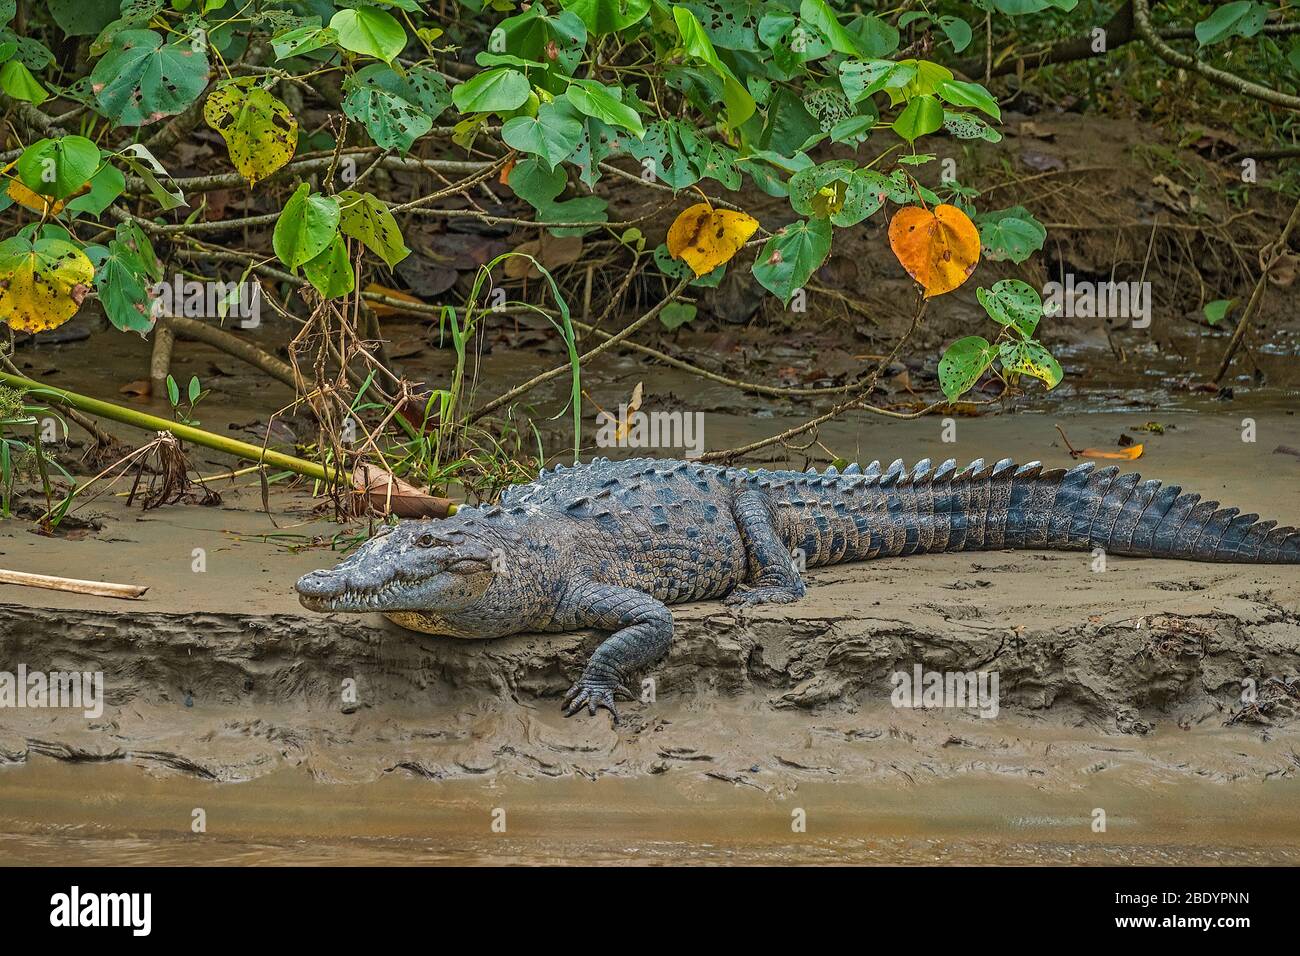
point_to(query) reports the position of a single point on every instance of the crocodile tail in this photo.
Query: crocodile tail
(1087, 507)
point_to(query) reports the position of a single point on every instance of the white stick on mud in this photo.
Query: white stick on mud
(127, 592)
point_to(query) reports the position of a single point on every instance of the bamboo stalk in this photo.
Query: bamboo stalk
(147, 422)
(127, 592)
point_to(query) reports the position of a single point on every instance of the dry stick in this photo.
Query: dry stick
(127, 592)
(1270, 255)
(584, 358)
(754, 387)
(228, 343)
(160, 360)
(1142, 23)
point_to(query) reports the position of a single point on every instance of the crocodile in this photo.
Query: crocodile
(611, 544)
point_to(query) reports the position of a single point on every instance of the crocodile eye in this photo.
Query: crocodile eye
(425, 540)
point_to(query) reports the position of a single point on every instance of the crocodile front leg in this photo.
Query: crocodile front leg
(771, 577)
(643, 629)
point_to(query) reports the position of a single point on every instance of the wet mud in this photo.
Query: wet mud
(1119, 689)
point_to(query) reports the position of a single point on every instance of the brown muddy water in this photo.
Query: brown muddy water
(1120, 690)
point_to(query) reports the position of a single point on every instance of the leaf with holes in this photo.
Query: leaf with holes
(1030, 358)
(670, 151)
(963, 363)
(1014, 304)
(126, 271)
(42, 283)
(260, 132)
(142, 78)
(306, 226)
(366, 218)
(705, 238)
(1011, 234)
(396, 109)
(939, 248)
(790, 257)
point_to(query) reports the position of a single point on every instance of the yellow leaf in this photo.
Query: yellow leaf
(704, 238)
(260, 132)
(632, 407)
(33, 201)
(42, 284)
(938, 248)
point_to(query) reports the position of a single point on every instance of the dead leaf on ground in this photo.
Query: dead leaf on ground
(387, 494)
(140, 388)
(550, 252)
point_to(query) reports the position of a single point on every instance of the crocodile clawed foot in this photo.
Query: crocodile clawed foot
(761, 596)
(593, 694)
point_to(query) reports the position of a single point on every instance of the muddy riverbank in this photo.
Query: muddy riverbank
(1119, 690)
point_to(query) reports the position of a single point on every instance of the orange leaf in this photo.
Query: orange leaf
(704, 238)
(938, 248)
(1130, 453)
(383, 308)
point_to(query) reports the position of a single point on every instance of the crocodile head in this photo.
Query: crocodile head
(415, 566)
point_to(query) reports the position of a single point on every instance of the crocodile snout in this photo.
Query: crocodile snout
(317, 588)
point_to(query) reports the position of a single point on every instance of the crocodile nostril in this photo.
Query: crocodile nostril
(318, 584)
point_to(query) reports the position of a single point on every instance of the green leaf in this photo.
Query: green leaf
(366, 218)
(125, 274)
(923, 115)
(194, 390)
(1011, 234)
(17, 81)
(959, 93)
(58, 167)
(173, 391)
(1216, 311)
(1244, 18)
(552, 134)
(969, 126)
(957, 31)
(790, 257)
(862, 78)
(963, 363)
(144, 164)
(105, 186)
(330, 272)
(535, 38)
(302, 40)
(820, 15)
(493, 91)
(261, 133)
(739, 104)
(305, 227)
(370, 32)
(1014, 304)
(141, 79)
(605, 104)
(1030, 358)
(607, 16)
(677, 314)
(673, 151)
(83, 18)
(396, 109)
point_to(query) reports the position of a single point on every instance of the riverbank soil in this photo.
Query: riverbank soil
(1120, 733)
